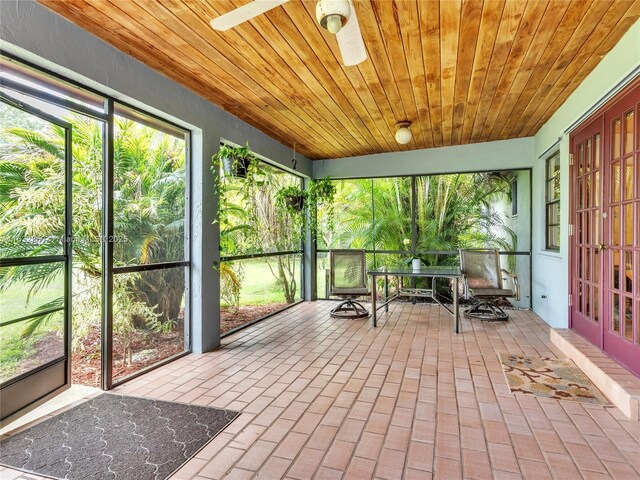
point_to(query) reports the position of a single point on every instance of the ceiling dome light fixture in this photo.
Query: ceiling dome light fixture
(333, 14)
(403, 133)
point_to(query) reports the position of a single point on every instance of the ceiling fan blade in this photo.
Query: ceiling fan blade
(244, 13)
(350, 41)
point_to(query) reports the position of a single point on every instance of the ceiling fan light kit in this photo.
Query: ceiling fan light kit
(403, 133)
(333, 14)
(336, 16)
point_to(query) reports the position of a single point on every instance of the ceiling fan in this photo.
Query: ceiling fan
(337, 16)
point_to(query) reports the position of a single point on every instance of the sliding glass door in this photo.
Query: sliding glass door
(35, 255)
(130, 222)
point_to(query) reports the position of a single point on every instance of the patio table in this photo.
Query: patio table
(400, 272)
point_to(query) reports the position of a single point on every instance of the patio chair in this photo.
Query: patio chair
(348, 280)
(484, 279)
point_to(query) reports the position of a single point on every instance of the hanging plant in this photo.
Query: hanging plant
(321, 192)
(291, 202)
(301, 205)
(239, 160)
(235, 161)
(292, 199)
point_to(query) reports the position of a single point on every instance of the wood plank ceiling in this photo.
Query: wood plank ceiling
(462, 71)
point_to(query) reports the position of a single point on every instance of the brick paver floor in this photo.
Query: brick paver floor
(336, 399)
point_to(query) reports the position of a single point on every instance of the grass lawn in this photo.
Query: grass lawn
(13, 300)
(259, 286)
(17, 353)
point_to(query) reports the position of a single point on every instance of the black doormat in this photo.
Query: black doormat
(115, 437)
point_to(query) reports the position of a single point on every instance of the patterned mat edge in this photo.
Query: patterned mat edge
(63, 410)
(605, 402)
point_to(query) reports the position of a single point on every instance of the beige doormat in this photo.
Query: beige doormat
(546, 377)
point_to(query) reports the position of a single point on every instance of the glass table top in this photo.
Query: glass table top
(404, 270)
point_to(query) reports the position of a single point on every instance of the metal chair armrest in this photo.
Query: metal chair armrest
(514, 280)
(327, 283)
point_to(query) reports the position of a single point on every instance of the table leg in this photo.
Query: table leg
(373, 300)
(456, 307)
(414, 284)
(386, 293)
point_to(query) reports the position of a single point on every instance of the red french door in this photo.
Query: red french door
(622, 290)
(586, 245)
(605, 247)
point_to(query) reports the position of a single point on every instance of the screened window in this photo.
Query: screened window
(552, 200)
(396, 219)
(260, 245)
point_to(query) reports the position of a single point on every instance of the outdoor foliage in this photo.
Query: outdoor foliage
(251, 223)
(149, 221)
(452, 211)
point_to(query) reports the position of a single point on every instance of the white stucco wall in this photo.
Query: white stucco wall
(501, 155)
(550, 269)
(33, 33)
(520, 224)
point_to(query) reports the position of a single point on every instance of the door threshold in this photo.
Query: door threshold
(70, 397)
(617, 383)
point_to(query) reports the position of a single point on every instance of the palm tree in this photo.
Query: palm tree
(148, 216)
(452, 211)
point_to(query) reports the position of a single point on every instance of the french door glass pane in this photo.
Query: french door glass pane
(148, 318)
(615, 224)
(581, 158)
(587, 300)
(616, 138)
(638, 322)
(615, 182)
(628, 178)
(628, 224)
(615, 326)
(580, 297)
(628, 272)
(32, 193)
(628, 137)
(149, 195)
(628, 318)
(615, 271)
(587, 264)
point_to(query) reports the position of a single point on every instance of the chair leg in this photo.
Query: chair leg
(487, 312)
(350, 309)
